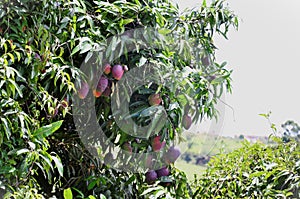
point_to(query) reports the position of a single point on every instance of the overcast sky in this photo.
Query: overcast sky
(264, 55)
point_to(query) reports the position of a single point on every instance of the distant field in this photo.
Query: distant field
(210, 144)
(204, 144)
(190, 169)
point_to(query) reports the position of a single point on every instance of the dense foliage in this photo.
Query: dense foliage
(291, 131)
(42, 46)
(253, 171)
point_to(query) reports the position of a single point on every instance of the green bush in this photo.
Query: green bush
(253, 171)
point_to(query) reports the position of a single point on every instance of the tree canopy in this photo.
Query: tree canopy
(61, 59)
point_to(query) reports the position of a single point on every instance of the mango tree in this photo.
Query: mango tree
(95, 95)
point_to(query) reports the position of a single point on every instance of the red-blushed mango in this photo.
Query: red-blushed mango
(186, 121)
(117, 71)
(107, 69)
(172, 154)
(151, 176)
(107, 91)
(102, 85)
(84, 90)
(157, 145)
(154, 99)
(96, 93)
(163, 172)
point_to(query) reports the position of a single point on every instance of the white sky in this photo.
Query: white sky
(264, 55)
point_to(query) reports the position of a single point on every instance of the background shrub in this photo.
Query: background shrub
(253, 171)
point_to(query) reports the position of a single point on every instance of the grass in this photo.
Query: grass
(209, 144)
(190, 169)
(205, 144)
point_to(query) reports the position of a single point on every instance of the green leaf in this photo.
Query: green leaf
(15, 86)
(152, 189)
(92, 185)
(85, 48)
(130, 180)
(68, 194)
(21, 151)
(6, 127)
(164, 31)
(75, 50)
(59, 165)
(47, 160)
(88, 56)
(159, 193)
(18, 55)
(48, 130)
(155, 121)
(143, 60)
(11, 57)
(101, 196)
(151, 111)
(81, 195)
(126, 21)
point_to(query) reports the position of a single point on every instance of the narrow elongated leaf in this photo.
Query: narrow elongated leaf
(21, 151)
(48, 130)
(15, 86)
(59, 165)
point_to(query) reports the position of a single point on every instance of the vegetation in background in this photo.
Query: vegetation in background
(253, 171)
(291, 131)
(259, 170)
